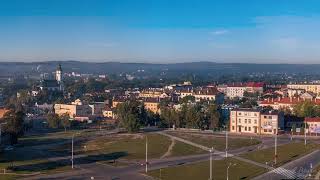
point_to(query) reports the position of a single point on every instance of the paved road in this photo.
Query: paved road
(297, 169)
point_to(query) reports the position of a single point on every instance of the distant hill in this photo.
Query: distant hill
(9, 68)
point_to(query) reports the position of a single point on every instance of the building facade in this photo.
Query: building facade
(255, 121)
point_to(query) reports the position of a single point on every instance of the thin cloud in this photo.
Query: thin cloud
(220, 32)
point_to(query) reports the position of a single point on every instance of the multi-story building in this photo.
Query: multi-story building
(73, 110)
(208, 94)
(286, 102)
(255, 121)
(152, 105)
(313, 124)
(245, 120)
(234, 91)
(271, 122)
(314, 88)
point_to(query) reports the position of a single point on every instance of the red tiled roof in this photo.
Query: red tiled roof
(288, 100)
(255, 84)
(314, 119)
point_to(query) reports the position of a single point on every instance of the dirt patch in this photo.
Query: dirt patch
(169, 151)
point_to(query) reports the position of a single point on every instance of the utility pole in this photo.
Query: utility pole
(230, 164)
(275, 147)
(72, 151)
(146, 154)
(211, 150)
(305, 133)
(226, 142)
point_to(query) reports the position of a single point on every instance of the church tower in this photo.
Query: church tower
(59, 74)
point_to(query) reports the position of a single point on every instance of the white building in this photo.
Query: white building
(235, 91)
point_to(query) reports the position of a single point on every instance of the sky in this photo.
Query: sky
(161, 31)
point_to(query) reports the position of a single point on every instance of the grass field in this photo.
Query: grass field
(218, 143)
(129, 146)
(286, 153)
(182, 149)
(238, 170)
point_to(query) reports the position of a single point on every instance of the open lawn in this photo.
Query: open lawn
(182, 149)
(218, 143)
(31, 155)
(129, 146)
(238, 170)
(286, 153)
(53, 137)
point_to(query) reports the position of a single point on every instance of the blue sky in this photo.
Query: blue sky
(161, 31)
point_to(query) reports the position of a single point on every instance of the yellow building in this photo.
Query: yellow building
(75, 109)
(256, 121)
(152, 105)
(315, 88)
(245, 121)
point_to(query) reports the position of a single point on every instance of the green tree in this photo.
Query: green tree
(131, 115)
(65, 121)
(14, 124)
(213, 116)
(53, 120)
(305, 109)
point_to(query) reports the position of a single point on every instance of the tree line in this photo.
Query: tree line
(132, 115)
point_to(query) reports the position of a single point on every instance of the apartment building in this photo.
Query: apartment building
(234, 91)
(314, 88)
(271, 122)
(313, 124)
(245, 121)
(73, 110)
(286, 102)
(208, 94)
(255, 121)
(152, 105)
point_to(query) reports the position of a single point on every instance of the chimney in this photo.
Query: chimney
(271, 99)
(279, 98)
(268, 99)
(290, 99)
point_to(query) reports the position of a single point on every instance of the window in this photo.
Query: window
(232, 127)
(255, 121)
(245, 128)
(239, 120)
(245, 121)
(249, 121)
(249, 128)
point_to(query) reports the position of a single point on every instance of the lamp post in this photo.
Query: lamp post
(211, 165)
(305, 133)
(230, 164)
(275, 147)
(226, 141)
(146, 154)
(72, 143)
(72, 151)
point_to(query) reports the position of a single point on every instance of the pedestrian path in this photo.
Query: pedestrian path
(281, 170)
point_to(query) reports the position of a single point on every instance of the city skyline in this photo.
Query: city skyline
(160, 31)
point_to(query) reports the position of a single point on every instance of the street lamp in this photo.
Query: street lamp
(230, 164)
(72, 143)
(305, 133)
(226, 141)
(146, 154)
(211, 165)
(275, 147)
